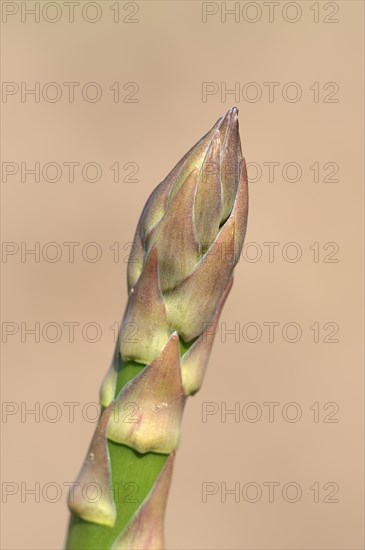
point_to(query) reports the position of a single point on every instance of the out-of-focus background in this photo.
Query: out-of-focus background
(99, 101)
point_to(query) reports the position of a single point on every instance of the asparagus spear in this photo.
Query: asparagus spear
(187, 242)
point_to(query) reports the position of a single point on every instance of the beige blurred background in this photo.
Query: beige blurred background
(159, 58)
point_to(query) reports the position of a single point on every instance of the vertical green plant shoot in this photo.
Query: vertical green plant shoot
(187, 242)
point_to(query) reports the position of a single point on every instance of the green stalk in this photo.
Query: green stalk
(187, 243)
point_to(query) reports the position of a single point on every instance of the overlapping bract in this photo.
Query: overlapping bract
(188, 240)
(158, 398)
(196, 221)
(186, 210)
(187, 243)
